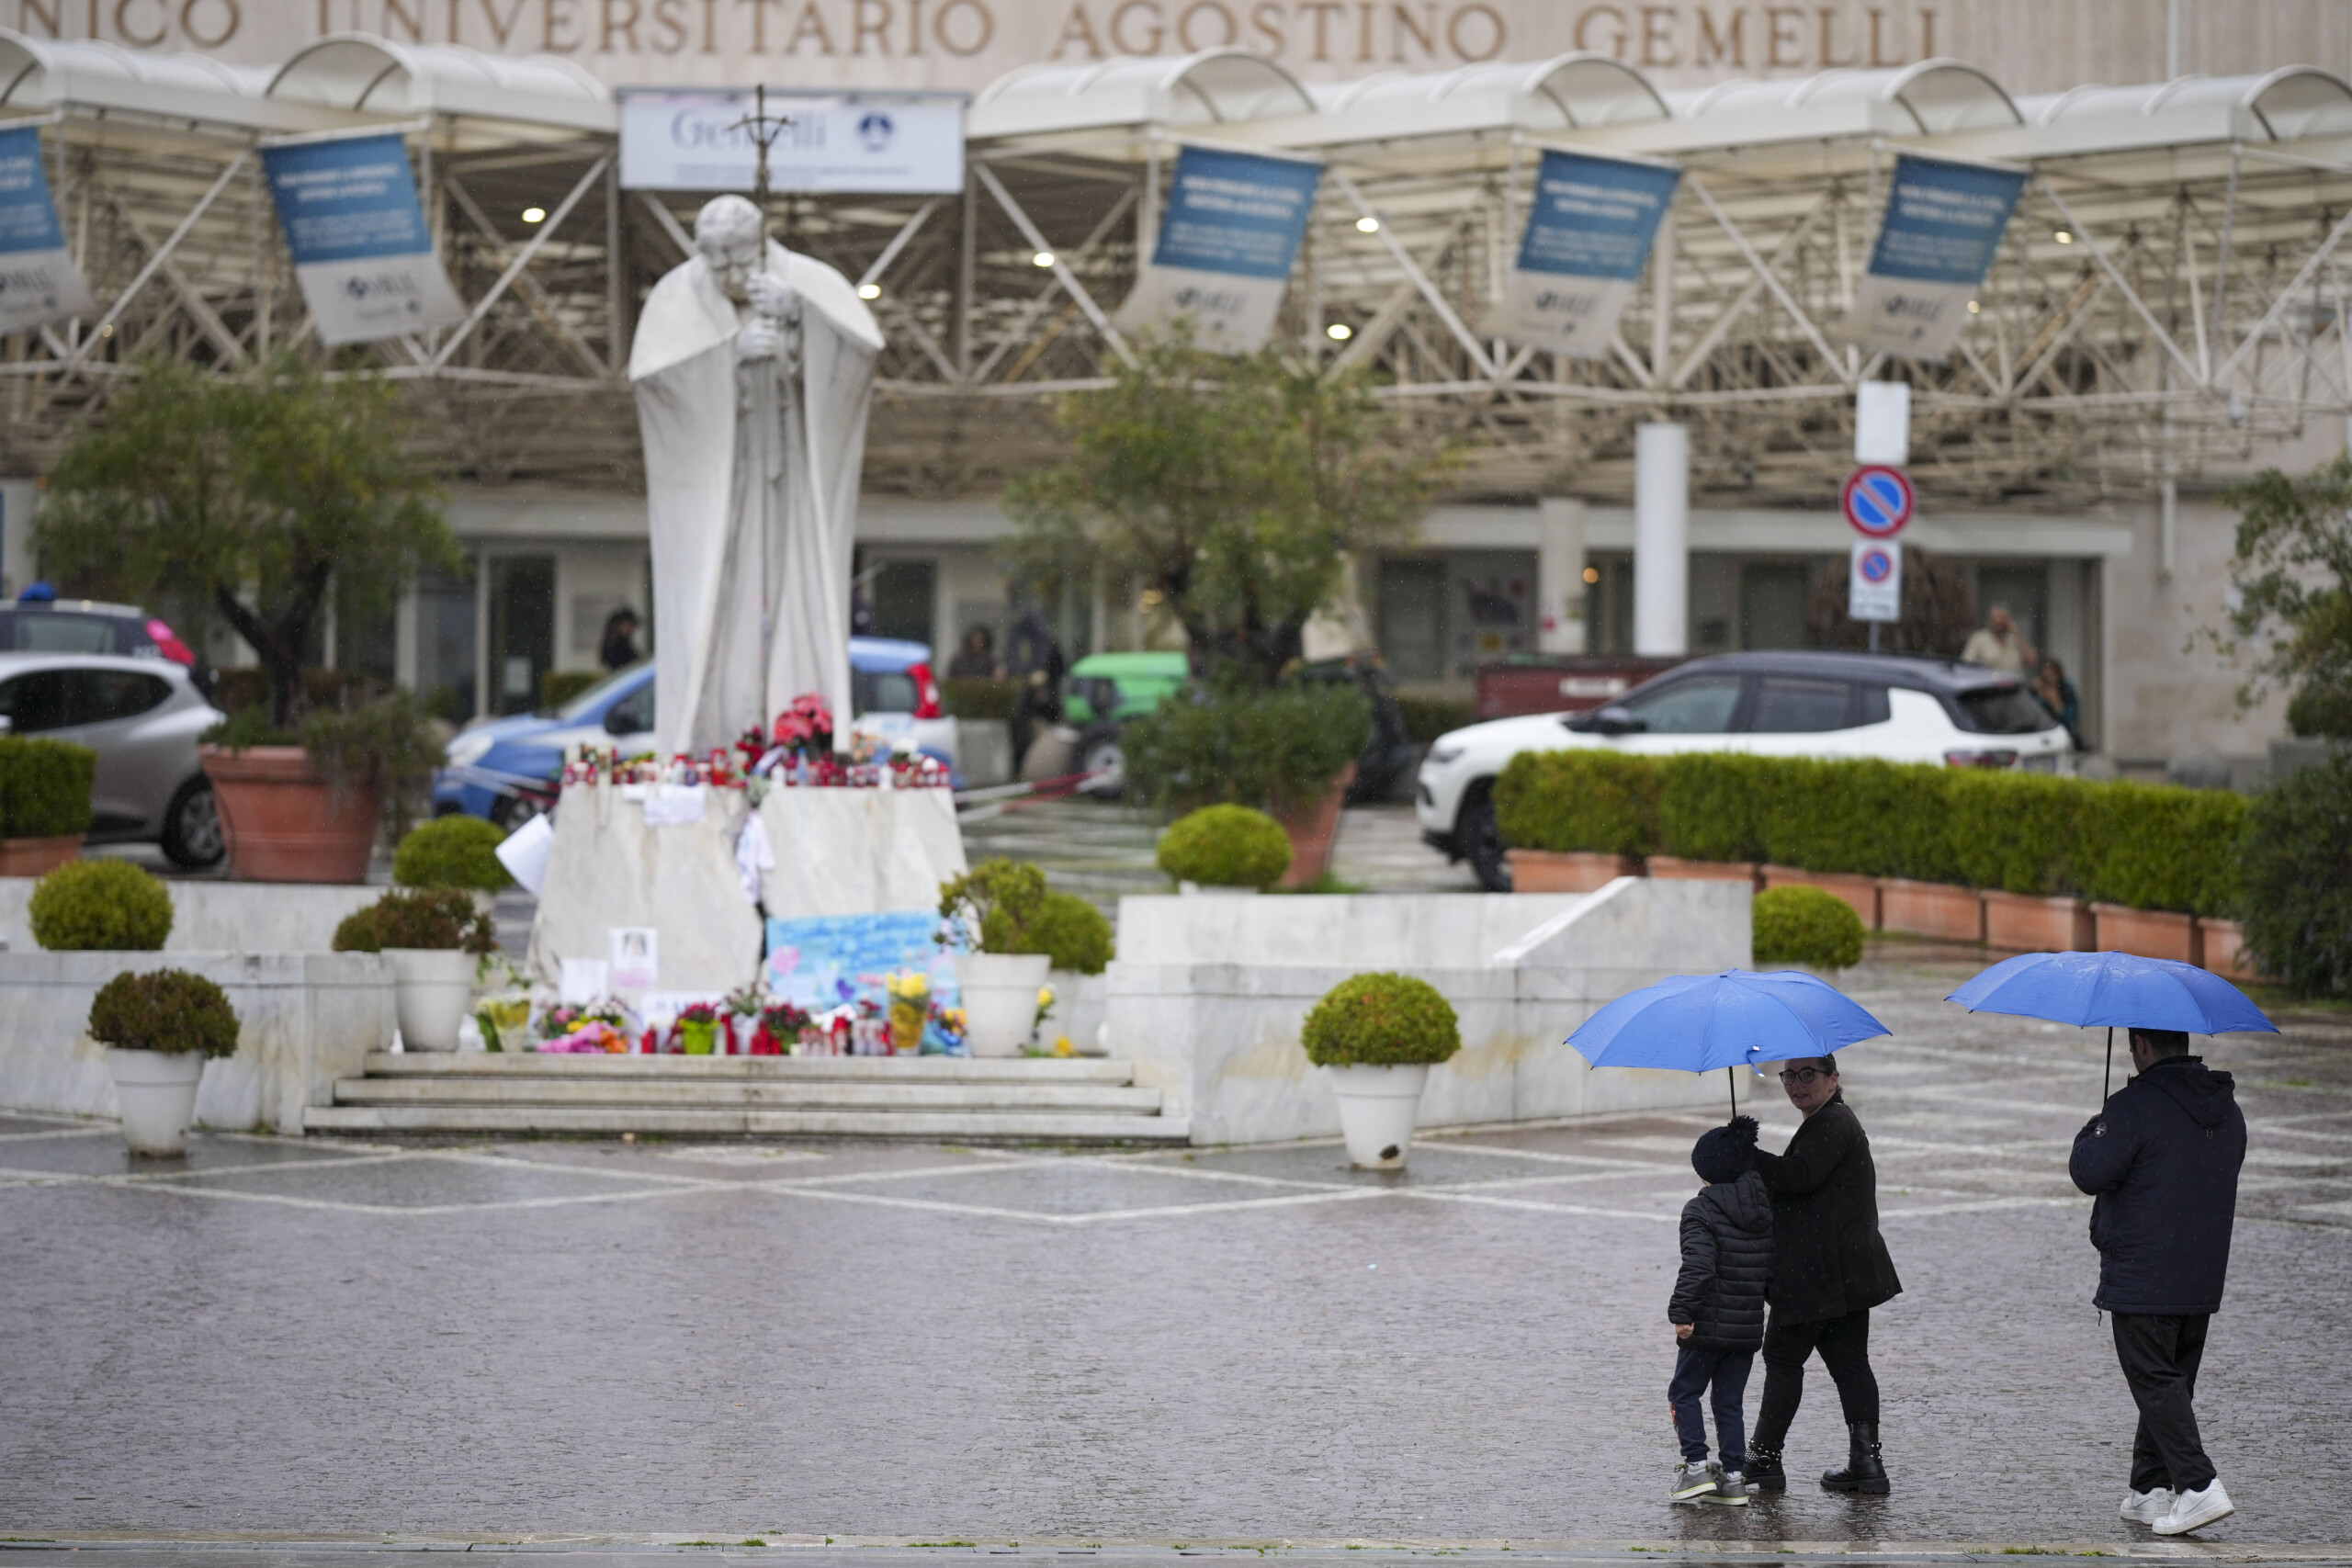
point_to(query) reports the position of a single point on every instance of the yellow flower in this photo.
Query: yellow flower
(1062, 1046)
(1045, 995)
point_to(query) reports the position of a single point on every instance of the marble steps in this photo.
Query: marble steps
(786, 1095)
(957, 1126)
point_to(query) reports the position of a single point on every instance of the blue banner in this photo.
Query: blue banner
(1589, 236)
(1942, 228)
(1228, 239)
(38, 282)
(362, 252)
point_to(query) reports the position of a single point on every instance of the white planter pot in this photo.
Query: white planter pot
(1378, 1109)
(1000, 991)
(156, 1091)
(433, 990)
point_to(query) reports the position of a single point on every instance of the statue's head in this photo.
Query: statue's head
(733, 239)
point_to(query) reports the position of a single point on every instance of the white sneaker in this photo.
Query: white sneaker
(2195, 1510)
(1692, 1477)
(2146, 1507)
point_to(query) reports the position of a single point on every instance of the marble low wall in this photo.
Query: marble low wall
(307, 1018)
(1209, 994)
(221, 916)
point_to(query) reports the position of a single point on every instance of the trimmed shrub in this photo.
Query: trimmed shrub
(2011, 831)
(2297, 859)
(2160, 847)
(558, 687)
(45, 787)
(444, 919)
(170, 1011)
(1381, 1019)
(1709, 805)
(1074, 932)
(1859, 814)
(995, 905)
(101, 906)
(1426, 718)
(1806, 925)
(1604, 802)
(452, 851)
(1274, 749)
(1224, 846)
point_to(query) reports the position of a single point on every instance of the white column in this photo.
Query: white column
(1559, 576)
(1661, 539)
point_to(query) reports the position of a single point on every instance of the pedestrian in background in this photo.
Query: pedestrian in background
(1829, 1268)
(2057, 695)
(1718, 1310)
(2162, 1159)
(619, 649)
(975, 660)
(1999, 645)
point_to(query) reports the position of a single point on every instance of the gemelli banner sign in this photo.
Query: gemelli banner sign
(1943, 224)
(38, 282)
(886, 144)
(362, 252)
(1227, 242)
(1589, 236)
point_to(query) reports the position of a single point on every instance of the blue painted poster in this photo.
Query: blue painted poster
(1944, 225)
(1589, 236)
(38, 282)
(362, 252)
(1227, 242)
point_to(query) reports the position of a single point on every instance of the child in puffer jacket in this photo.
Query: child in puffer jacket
(1717, 1309)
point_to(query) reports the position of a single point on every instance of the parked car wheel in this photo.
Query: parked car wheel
(1481, 838)
(193, 839)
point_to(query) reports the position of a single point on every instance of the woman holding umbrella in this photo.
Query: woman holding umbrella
(1830, 1266)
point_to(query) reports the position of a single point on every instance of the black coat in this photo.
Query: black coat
(1828, 1258)
(1726, 1263)
(2161, 1157)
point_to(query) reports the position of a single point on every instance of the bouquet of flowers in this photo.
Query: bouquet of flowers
(806, 729)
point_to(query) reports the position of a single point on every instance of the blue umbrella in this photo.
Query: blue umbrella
(1695, 1023)
(2117, 990)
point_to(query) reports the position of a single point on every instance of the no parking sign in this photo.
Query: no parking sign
(1875, 582)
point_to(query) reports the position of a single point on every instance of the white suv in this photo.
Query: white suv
(1900, 708)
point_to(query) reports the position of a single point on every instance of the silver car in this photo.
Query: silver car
(143, 717)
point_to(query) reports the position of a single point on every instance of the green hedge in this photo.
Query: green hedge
(45, 787)
(2151, 847)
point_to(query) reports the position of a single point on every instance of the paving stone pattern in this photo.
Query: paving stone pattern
(929, 1343)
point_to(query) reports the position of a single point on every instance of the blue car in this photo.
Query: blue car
(492, 765)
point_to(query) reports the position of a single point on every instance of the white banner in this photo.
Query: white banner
(1589, 236)
(1875, 581)
(1227, 242)
(361, 251)
(873, 143)
(38, 282)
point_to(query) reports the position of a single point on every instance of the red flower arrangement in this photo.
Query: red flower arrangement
(806, 729)
(698, 1012)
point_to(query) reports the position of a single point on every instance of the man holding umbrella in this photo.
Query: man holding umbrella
(1829, 1268)
(2162, 1159)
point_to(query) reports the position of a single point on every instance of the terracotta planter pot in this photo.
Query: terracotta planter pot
(2225, 953)
(1860, 892)
(1667, 868)
(284, 821)
(1567, 871)
(2151, 934)
(1313, 829)
(37, 857)
(2026, 924)
(1930, 908)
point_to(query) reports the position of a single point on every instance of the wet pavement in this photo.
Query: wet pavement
(929, 1343)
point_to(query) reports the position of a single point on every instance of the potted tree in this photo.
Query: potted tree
(1225, 849)
(994, 909)
(1378, 1035)
(307, 805)
(44, 802)
(158, 1030)
(434, 940)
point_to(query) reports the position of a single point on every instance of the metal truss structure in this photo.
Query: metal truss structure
(2170, 302)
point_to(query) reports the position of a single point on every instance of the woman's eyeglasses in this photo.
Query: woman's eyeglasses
(1802, 1075)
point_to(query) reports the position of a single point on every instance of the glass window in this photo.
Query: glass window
(580, 708)
(1787, 704)
(882, 691)
(633, 714)
(103, 697)
(1688, 707)
(2003, 710)
(34, 702)
(50, 631)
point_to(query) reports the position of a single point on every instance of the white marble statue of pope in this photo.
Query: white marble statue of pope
(753, 369)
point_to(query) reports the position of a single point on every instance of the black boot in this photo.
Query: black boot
(1764, 1472)
(1863, 1472)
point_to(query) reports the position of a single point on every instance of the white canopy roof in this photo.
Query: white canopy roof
(1216, 86)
